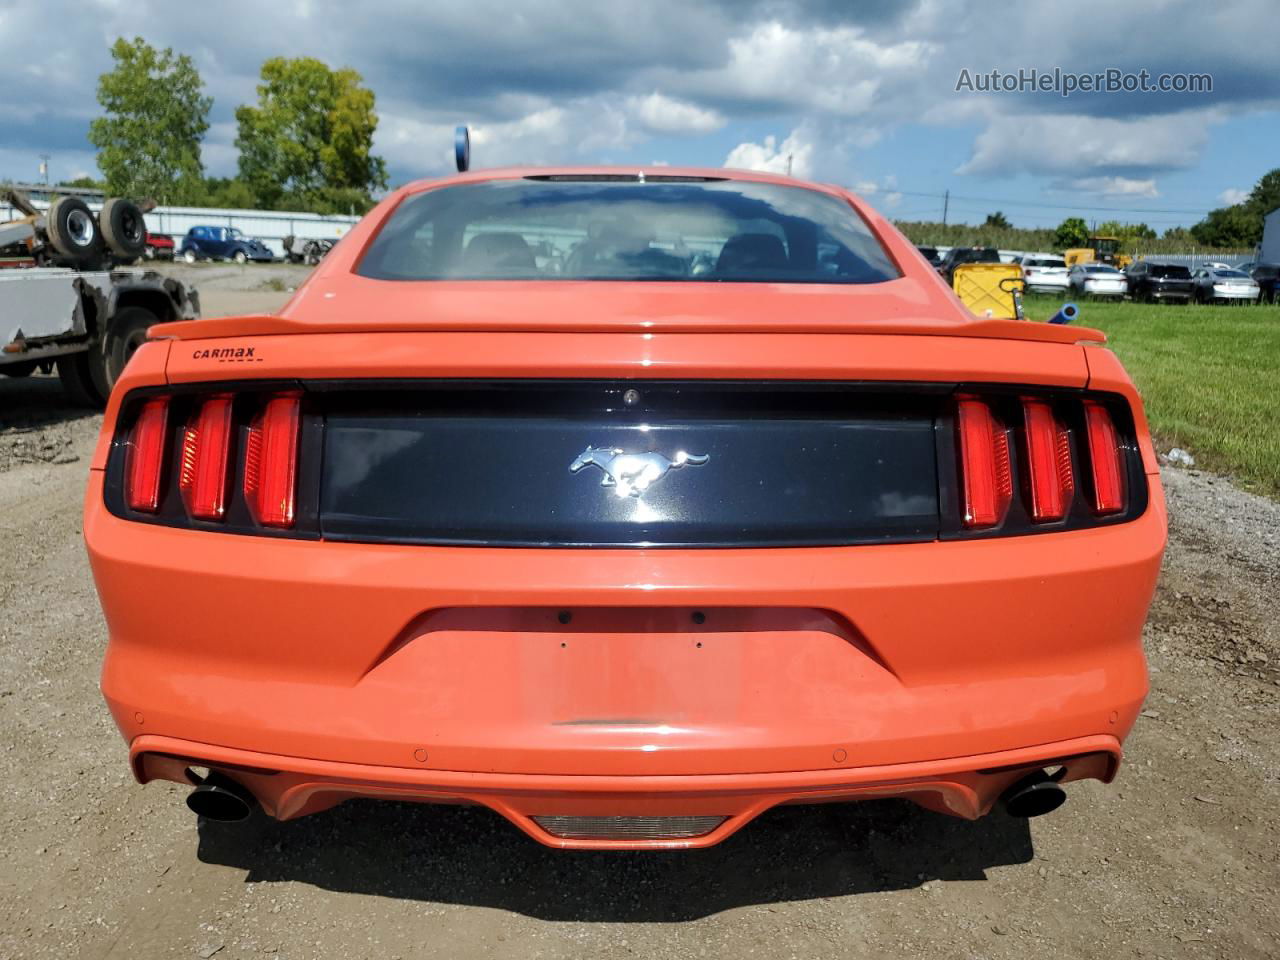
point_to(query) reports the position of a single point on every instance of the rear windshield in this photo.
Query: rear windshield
(571, 229)
(1170, 271)
(1045, 262)
(1232, 274)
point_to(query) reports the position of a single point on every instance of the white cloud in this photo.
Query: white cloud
(772, 157)
(1116, 186)
(1231, 196)
(1062, 144)
(664, 114)
(837, 71)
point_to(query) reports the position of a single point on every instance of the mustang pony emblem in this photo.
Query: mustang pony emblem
(631, 474)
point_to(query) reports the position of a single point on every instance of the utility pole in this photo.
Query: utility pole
(946, 202)
(44, 167)
(789, 156)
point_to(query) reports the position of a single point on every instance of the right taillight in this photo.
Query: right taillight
(1106, 459)
(271, 462)
(984, 465)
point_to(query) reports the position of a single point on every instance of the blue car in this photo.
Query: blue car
(222, 243)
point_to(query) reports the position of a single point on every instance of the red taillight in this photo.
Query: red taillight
(1105, 456)
(206, 450)
(984, 460)
(1048, 447)
(145, 460)
(271, 462)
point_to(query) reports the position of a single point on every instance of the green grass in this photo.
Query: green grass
(1209, 376)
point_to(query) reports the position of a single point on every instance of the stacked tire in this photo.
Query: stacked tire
(84, 242)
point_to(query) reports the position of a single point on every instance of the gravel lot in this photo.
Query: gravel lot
(1178, 858)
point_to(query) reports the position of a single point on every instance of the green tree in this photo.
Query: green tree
(1265, 195)
(1071, 232)
(1240, 225)
(87, 183)
(997, 220)
(155, 116)
(229, 192)
(309, 140)
(1234, 226)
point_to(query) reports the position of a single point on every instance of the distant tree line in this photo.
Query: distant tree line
(305, 145)
(1237, 228)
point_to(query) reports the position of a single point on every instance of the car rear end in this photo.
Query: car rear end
(1045, 274)
(341, 558)
(1170, 282)
(1233, 286)
(1104, 283)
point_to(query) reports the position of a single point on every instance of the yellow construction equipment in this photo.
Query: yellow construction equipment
(1100, 250)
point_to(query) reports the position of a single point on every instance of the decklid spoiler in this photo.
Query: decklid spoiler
(902, 307)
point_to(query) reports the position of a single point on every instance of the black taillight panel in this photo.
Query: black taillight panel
(782, 452)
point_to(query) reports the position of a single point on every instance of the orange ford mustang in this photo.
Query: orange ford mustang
(628, 505)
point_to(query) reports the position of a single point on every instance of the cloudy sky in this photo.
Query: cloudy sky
(859, 93)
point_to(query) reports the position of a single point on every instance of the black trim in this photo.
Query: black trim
(691, 400)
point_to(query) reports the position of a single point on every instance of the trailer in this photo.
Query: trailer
(63, 304)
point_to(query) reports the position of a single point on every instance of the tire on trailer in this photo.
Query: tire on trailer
(72, 230)
(88, 377)
(78, 381)
(126, 332)
(123, 228)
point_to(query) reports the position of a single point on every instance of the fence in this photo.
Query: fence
(269, 226)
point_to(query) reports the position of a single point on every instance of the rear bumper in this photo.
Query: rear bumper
(289, 787)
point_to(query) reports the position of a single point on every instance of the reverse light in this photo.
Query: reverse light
(984, 464)
(145, 460)
(271, 462)
(1048, 447)
(206, 448)
(1105, 458)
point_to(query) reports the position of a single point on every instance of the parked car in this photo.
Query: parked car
(1044, 272)
(1267, 277)
(1159, 281)
(1213, 284)
(222, 243)
(1096, 280)
(958, 255)
(159, 246)
(475, 551)
(930, 254)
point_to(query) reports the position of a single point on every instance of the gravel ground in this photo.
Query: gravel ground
(1178, 858)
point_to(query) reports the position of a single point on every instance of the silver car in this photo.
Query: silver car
(1224, 283)
(1097, 280)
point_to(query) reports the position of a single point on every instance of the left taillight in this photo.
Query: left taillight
(233, 457)
(144, 460)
